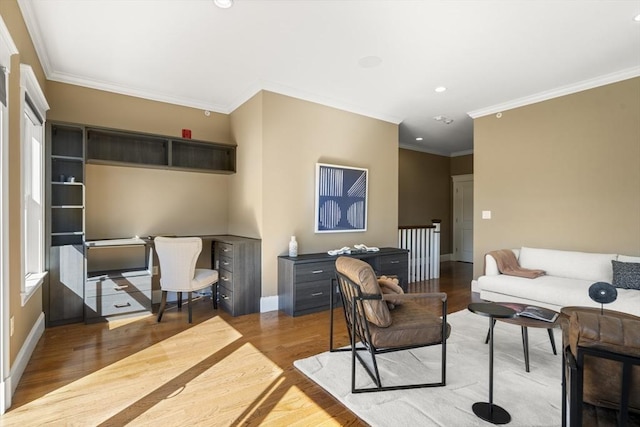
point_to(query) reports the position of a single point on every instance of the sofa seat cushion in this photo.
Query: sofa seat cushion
(569, 264)
(408, 327)
(556, 291)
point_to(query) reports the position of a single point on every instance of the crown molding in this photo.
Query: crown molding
(281, 89)
(557, 92)
(153, 96)
(36, 36)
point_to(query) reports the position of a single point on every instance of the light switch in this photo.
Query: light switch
(486, 214)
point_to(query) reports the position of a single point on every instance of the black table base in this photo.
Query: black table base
(488, 411)
(491, 412)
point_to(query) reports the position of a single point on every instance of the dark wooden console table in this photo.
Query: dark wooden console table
(303, 281)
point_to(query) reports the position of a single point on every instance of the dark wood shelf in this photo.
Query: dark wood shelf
(120, 148)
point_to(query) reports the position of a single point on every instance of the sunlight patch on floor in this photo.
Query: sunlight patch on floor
(162, 372)
(245, 376)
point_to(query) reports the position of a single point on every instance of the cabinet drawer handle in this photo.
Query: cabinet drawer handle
(226, 250)
(225, 263)
(317, 271)
(120, 287)
(223, 296)
(395, 262)
(317, 294)
(224, 279)
(122, 305)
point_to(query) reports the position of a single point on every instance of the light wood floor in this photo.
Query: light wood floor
(220, 370)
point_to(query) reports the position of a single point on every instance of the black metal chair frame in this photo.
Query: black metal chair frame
(576, 379)
(358, 327)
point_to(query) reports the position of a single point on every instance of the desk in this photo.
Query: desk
(487, 410)
(238, 262)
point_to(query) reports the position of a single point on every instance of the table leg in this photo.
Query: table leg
(552, 339)
(488, 411)
(525, 346)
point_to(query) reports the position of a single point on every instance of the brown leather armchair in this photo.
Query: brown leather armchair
(601, 372)
(375, 329)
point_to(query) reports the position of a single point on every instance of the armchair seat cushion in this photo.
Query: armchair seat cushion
(410, 327)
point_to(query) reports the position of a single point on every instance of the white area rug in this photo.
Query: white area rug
(532, 399)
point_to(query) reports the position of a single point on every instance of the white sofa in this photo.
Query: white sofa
(566, 283)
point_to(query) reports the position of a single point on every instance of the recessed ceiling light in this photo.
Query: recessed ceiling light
(223, 4)
(440, 89)
(369, 61)
(637, 18)
(419, 138)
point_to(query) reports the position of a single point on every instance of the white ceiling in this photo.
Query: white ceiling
(491, 55)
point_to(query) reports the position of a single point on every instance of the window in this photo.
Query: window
(34, 107)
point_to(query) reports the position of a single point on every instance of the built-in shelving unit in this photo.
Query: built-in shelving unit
(72, 291)
(64, 292)
(106, 146)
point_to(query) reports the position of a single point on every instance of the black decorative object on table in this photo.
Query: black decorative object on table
(488, 411)
(603, 293)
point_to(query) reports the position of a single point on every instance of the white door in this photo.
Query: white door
(463, 218)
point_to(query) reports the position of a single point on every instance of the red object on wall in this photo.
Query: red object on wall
(186, 133)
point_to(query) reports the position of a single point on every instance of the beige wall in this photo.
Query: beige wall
(295, 136)
(246, 190)
(425, 190)
(24, 317)
(462, 165)
(563, 173)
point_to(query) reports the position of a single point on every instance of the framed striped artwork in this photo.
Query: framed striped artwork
(341, 198)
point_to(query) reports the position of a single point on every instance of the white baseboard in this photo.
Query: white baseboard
(446, 257)
(22, 359)
(268, 304)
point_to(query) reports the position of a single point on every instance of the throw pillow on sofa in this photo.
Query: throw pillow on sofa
(626, 275)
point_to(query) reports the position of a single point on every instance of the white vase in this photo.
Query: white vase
(293, 247)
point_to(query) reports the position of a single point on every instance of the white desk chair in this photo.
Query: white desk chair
(178, 256)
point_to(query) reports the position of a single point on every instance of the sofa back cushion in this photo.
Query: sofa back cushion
(574, 265)
(627, 258)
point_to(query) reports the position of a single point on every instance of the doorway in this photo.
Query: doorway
(463, 217)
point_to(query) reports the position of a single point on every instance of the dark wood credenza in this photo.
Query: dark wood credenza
(304, 282)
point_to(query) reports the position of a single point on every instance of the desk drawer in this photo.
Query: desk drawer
(120, 285)
(226, 262)
(315, 272)
(113, 305)
(393, 262)
(313, 294)
(226, 249)
(225, 298)
(225, 278)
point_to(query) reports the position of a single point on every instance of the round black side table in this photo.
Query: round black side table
(487, 410)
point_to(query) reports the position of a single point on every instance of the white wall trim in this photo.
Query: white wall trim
(446, 257)
(462, 178)
(557, 92)
(269, 304)
(30, 85)
(25, 353)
